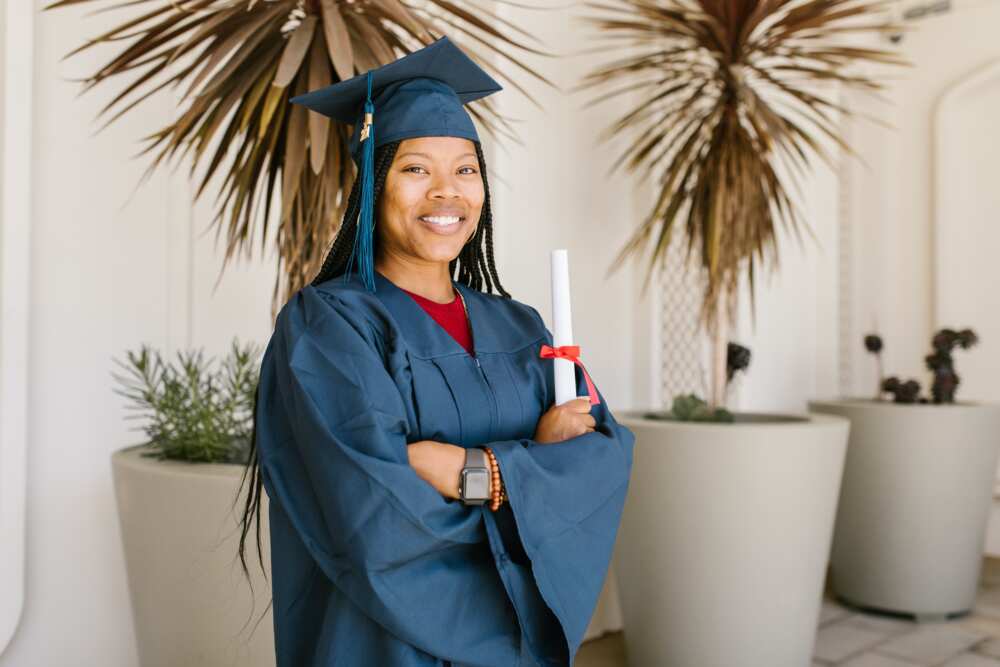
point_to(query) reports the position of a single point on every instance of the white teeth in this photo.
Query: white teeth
(441, 220)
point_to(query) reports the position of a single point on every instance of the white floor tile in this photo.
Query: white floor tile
(991, 648)
(931, 644)
(887, 625)
(831, 611)
(971, 660)
(836, 641)
(988, 601)
(870, 659)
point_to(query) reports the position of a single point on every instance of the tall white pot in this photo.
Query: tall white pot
(722, 551)
(917, 491)
(190, 601)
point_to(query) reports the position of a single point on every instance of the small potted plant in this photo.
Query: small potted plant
(917, 490)
(175, 494)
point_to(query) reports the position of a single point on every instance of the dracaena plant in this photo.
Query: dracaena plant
(239, 61)
(734, 100)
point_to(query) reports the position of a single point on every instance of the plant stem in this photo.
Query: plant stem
(719, 344)
(878, 380)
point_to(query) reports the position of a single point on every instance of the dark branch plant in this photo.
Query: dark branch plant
(239, 61)
(939, 362)
(732, 97)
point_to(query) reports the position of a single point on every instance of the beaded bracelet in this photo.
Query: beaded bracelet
(499, 492)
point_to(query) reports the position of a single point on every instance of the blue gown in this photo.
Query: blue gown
(371, 566)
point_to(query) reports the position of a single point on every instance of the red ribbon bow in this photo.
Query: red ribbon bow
(571, 352)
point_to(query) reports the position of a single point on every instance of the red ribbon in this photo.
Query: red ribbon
(571, 352)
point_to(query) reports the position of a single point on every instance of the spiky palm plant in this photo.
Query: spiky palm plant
(240, 61)
(731, 93)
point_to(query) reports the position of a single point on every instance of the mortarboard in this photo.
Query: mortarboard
(420, 95)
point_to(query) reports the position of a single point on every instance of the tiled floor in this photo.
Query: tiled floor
(847, 638)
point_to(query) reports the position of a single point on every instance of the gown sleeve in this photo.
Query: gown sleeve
(567, 499)
(332, 436)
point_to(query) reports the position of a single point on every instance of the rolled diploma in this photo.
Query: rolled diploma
(562, 326)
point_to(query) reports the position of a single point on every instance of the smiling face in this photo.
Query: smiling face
(431, 202)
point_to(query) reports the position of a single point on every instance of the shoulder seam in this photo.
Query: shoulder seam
(332, 301)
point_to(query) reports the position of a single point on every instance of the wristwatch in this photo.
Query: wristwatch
(474, 485)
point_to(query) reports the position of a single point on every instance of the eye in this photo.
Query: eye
(472, 170)
(414, 167)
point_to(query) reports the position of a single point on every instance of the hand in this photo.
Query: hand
(439, 464)
(561, 422)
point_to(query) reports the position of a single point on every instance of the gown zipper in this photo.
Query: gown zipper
(495, 411)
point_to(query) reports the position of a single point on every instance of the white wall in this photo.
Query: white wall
(794, 339)
(109, 270)
(556, 194)
(892, 201)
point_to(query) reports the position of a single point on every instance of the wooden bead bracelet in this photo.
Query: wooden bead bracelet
(497, 490)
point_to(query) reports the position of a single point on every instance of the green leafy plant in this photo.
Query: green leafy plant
(195, 410)
(691, 408)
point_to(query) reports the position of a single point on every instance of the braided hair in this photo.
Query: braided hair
(476, 268)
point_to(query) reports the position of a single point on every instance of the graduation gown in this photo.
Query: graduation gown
(371, 566)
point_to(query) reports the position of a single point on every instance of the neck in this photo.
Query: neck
(430, 280)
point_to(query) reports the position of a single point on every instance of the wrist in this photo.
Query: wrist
(475, 477)
(455, 475)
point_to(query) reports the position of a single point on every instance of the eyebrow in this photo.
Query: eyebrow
(402, 155)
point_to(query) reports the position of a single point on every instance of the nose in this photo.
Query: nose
(444, 186)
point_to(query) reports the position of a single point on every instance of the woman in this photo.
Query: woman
(378, 410)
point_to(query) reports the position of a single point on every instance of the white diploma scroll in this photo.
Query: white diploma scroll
(562, 326)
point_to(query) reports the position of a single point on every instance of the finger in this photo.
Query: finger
(589, 421)
(579, 404)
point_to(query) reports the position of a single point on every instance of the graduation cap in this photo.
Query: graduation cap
(420, 95)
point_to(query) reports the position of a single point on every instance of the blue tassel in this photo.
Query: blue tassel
(363, 249)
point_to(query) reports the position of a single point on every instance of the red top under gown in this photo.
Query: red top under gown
(450, 315)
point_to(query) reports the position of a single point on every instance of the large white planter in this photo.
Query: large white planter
(918, 485)
(190, 601)
(722, 551)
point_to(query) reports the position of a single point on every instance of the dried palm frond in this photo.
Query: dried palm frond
(240, 61)
(731, 95)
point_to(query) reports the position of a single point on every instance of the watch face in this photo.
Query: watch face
(476, 484)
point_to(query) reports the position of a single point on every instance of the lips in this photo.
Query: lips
(444, 217)
(443, 222)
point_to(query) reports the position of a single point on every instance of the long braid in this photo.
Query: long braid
(475, 264)
(340, 252)
(491, 268)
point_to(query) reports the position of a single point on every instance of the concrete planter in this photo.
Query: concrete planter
(914, 505)
(191, 603)
(722, 551)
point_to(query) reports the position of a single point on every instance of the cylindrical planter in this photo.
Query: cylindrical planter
(191, 604)
(722, 551)
(914, 504)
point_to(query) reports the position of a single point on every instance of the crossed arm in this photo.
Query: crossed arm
(440, 463)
